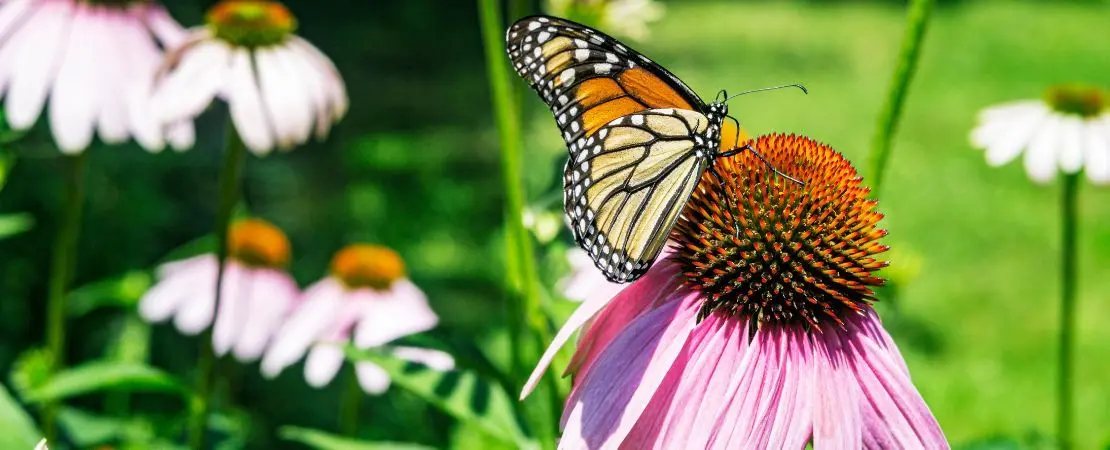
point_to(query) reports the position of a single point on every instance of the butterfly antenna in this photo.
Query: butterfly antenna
(803, 88)
(736, 151)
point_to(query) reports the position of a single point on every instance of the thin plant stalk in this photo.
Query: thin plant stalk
(229, 189)
(1069, 207)
(916, 24)
(528, 326)
(62, 266)
(350, 404)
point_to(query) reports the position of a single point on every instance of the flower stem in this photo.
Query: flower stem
(229, 186)
(61, 273)
(527, 322)
(1070, 216)
(350, 404)
(917, 19)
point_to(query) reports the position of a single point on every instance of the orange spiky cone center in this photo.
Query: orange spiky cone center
(759, 245)
(367, 266)
(251, 23)
(258, 243)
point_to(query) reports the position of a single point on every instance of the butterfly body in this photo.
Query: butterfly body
(639, 139)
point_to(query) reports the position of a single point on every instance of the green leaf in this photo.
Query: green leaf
(99, 376)
(121, 291)
(87, 430)
(17, 430)
(326, 441)
(15, 223)
(459, 393)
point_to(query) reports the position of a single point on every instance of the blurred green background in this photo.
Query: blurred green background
(415, 166)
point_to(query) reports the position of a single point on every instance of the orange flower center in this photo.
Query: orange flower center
(258, 243)
(1078, 99)
(760, 245)
(251, 23)
(370, 266)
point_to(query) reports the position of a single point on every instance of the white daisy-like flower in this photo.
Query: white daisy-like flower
(255, 294)
(627, 18)
(368, 296)
(92, 60)
(1068, 131)
(279, 87)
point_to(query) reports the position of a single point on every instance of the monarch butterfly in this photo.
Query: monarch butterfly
(639, 138)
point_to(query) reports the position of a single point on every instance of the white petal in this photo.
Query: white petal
(198, 307)
(271, 294)
(331, 81)
(116, 62)
(168, 31)
(1011, 110)
(182, 135)
(189, 88)
(40, 42)
(145, 125)
(1012, 136)
(405, 311)
(372, 378)
(323, 362)
(284, 97)
(1070, 144)
(247, 111)
(232, 313)
(313, 83)
(76, 93)
(1097, 157)
(13, 18)
(1040, 159)
(309, 322)
(434, 359)
(173, 288)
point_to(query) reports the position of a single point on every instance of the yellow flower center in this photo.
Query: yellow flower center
(1078, 99)
(251, 23)
(761, 246)
(258, 243)
(370, 266)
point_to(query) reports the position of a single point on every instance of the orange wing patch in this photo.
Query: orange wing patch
(651, 90)
(634, 90)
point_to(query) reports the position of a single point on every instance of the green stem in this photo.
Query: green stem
(350, 404)
(229, 186)
(528, 324)
(61, 273)
(1070, 217)
(917, 20)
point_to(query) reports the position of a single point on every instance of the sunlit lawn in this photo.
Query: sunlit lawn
(978, 322)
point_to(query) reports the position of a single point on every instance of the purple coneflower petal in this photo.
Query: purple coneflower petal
(400, 312)
(284, 99)
(323, 362)
(158, 20)
(175, 282)
(114, 67)
(75, 96)
(308, 323)
(372, 378)
(198, 309)
(39, 44)
(272, 294)
(247, 111)
(232, 312)
(188, 89)
(434, 359)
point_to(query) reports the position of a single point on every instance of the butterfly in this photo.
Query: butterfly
(639, 138)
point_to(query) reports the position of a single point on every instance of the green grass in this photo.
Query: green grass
(987, 239)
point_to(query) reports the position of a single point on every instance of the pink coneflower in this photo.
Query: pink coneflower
(757, 332)
(256, 292)
(367, 293)
(278, 86)
(585, 281)
(93, 60)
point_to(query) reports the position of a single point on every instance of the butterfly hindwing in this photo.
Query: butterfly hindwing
(625, 189)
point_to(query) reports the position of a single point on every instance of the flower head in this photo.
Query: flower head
(1069, 130)
(367, 294)
(255, 293)
(92, 59)
(629, 18)
(278, 86)
(757, 331)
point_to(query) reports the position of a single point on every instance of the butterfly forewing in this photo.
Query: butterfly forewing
(625, 190)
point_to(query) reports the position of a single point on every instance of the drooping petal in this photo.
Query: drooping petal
(181, 135)
(199, 307)
(232, 311)
(168, 31)
(434, 359)
(609, 400)
(401, 312)
(13, 16)
(330, 79)
(372, 378)
(1097, 151)
(837, 421)
(40, 44)
(323, 362)
(143, 60)
(175, 285)
(114, 68)
(245, 101)
(76, 93)
(186, 90)
(271, 295)
(312, 319)
(1005, 138)
(1040, 159)
(1071, 144)
(286, 101)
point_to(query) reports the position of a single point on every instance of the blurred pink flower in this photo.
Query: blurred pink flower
(757, 331)
(278, 86)
(256, 292)
(94, 62)
(368, 295)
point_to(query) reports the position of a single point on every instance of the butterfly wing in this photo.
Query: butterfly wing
(588, 78)
(625, 189)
